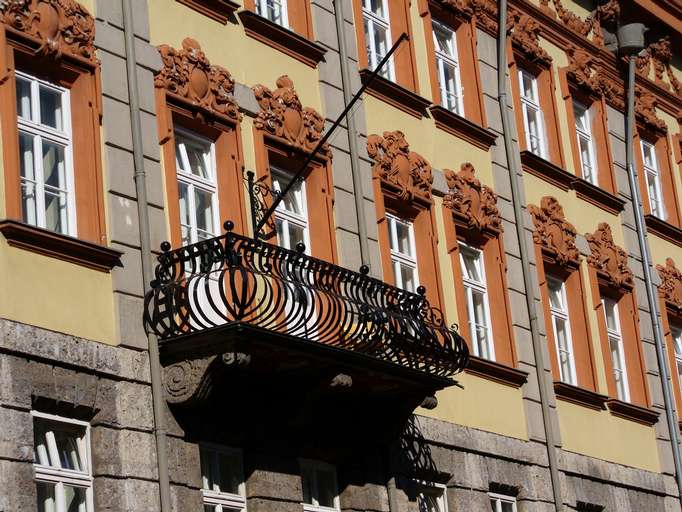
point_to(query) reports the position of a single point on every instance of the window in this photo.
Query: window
(195, 160)
(291, 216)
(377, 34)
(532, 114)
(585, 144)
(63, 471)
(448, 68)
(677, 342)
(616, 348)
(473, 274)
(653, 179)
(403, 253)
(501, 503)
(562, 330)
(432, 498)
(45, 155)
(319, 487)
(273, 10)
(222, 477)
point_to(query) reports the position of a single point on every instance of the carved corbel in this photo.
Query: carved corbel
(525, 35)
(581, 70)
(645, 110)
(608, 259)
(554, 233)
(670, 288)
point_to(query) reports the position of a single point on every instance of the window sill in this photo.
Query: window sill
(496, 372)
(580, 396)
(632, 412)
(663, 229)
(598, 196)
(63, 247)
(218, 10)
(546, 170)
(461, 127)
(282, 39)
(396, 95)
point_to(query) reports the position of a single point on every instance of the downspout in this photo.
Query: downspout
(514, 175)
(358, 193)
(146, 253)
(631, 42)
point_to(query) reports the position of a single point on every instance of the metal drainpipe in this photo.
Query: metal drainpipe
(632, 45)
(358, 193)
(146, 253)
(523, 249)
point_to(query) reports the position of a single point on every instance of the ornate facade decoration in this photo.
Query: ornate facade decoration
(283, 116)
(188, 75)
(645, 110)
(462, 8)
(472, 202)
(553, 232)
(62, 26)
(671, 284)
(604, 15)
(610, 260)
(486, 14)
(659, 54)
(400, 168)
(525, 34)
(581, 70)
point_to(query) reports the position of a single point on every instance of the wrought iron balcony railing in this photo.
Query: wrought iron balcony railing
(233, 279)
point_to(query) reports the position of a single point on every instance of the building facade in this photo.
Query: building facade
(314, 368)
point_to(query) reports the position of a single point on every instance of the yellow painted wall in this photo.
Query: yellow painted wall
(57, 295)
(605, 436)
(482, 404)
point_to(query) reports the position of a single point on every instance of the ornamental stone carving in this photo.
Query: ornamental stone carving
(473, 203)
(604, 15)
(645, 110)
(581, 70)
(553, 232)
(283, 117)
(462, 8)
(659, 54)
(405, 171)
(486, 14)
(610, 260)
(671, 284)
(62, 26)
(188, 381)
(189, 76)
(525, 35)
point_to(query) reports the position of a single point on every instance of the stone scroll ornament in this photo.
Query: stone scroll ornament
(553, 232)
(610, 260)
(471, 201)
(189, 76)
(670, 288)
(62, 26)
(400, 168)
(283, 116)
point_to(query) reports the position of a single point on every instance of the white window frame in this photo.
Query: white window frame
(471, 286)
(311, 467)
(192, 182)
(262, 10)
(558, 314)
(435, 489)
(62, 477)
(400, 258)
(529, 104)
(501, 498)
(584, 134)
(39, 132)
(615, 335)
(372, 19)
(443, 60)
(288, 217)
(223, 501)
(656, 204)
(676, 334)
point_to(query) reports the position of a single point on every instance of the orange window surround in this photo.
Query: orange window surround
(206, 107)
(406, 195)
(670, 303)
(611, 277)
(471, 216)
(74, 67)
(298, 14)
(558, 257)
(465, 35)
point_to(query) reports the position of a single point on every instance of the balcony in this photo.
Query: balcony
(235, 312)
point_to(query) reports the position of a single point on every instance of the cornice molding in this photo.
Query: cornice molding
(670, 288)
(188, 77)
(580, 396)
(395, 94)
(632, 412)
(473, 204)
(608, 259)
(461, 127)
(663, 229)
(63, 27)
(554, 233)
(218, 10)
(497, 372)
(283, 117)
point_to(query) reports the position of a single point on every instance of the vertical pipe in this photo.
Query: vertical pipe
(525, 260)
(146, 252)
(647, 266)
(358, 193)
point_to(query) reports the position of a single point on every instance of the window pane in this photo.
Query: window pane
(493, 505)
(24, 99)
(471, 269)
(307, 483)
(376, 7)
(68, 450)
(380, 35)
(56, 212)
(184, 212)
(527, 86)
(199, 158)
(54, 169)
(51, 108)
(507, 507)
(203, 202)
(74, 498)
(326, 484)
(46, 497)
(403, 238)
(610, 313)
(293, 201)
(230, 472)
(28, 189)
(443, 39)
(555, 294)
(407, 277)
